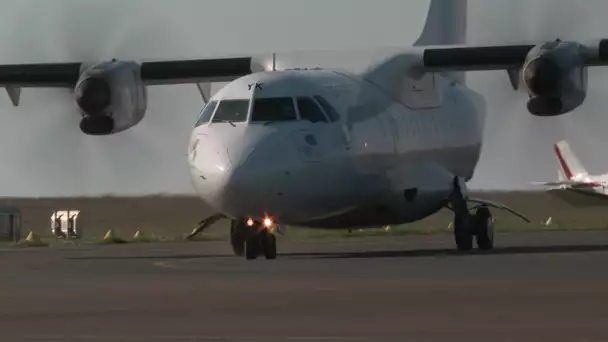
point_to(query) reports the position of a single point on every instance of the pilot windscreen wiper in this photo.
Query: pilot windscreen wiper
(228, 121)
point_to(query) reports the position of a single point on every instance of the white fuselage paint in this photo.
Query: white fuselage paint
(599, 186)
(357, 172)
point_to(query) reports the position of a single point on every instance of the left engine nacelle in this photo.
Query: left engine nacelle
(555, 77)
(111, 97)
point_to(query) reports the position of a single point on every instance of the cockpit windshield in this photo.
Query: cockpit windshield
(309, 110)
(206, 113)
(231, 111)
(273, 109)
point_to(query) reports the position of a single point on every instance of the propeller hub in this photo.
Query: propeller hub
(542, 76)
(93, 95)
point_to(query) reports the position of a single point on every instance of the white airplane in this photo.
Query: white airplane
(572, 175)
(328, 148)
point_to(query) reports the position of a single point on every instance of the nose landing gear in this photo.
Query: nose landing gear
(246, 238)
(263, 242)
(253, 240)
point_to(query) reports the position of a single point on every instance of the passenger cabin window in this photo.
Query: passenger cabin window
(231, 111)
(206, 113)
(273, 109)
(309, 110)
(331, 112)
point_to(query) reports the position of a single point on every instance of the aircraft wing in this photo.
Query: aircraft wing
(563, 182)
(560, 55)
(570, 183)
(498, 206)
(434, 58)
(504, 57)
(66, 75)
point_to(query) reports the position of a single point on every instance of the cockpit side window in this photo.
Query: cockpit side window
(231, 111)
(273, 109)
(206, 113)
(331, 112)
(309, 110)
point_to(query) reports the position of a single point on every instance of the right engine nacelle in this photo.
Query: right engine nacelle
(555, 77)
(111, 98)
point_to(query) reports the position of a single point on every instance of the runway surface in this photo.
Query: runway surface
(533, 287)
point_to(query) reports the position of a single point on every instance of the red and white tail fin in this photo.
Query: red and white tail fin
(560, 175)
(569, 164)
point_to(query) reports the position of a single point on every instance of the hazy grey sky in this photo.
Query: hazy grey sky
(45, 154)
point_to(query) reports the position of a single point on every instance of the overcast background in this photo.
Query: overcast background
(44, 153)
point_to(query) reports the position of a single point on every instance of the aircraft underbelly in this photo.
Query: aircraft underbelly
(403, 195)
(390, 211)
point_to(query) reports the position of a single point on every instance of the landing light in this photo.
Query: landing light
(250, 222)
(267, 222)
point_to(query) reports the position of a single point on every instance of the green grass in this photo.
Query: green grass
(294, 234)
(170, 219)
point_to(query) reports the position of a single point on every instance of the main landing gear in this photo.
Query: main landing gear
(252, 240)
(467, 226)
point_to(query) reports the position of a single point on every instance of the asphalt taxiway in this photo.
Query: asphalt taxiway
(533, 287)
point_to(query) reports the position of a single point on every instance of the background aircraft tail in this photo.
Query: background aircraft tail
(560, 175)
(446, 24)
(569, 164)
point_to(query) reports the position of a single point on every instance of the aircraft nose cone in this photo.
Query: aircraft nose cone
(210, 166)
(241, 175)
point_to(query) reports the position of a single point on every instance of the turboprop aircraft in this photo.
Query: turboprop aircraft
(573, 176)
(335, 149)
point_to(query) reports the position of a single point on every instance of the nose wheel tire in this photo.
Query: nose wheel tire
(270, 246)
(251, 248)
(238, 236)
(264, 243)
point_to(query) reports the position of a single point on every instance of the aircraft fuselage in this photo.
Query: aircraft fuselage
(377, 160)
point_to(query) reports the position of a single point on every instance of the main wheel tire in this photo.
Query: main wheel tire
(238, 236)
(484, 228)
(269, 244)
(462, 235)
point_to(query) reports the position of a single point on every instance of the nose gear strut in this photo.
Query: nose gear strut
(250, 241)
